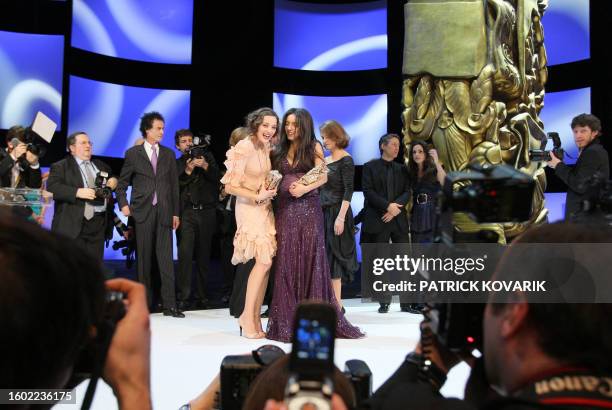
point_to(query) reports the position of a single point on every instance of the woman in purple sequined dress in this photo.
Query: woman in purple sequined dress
(302, 272)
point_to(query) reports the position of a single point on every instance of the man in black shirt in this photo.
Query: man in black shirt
(199, 194)
(386, 188)
(592, 159)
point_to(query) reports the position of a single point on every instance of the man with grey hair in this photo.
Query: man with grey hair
(79, 213)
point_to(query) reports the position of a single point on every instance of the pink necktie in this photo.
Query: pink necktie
(154, 164)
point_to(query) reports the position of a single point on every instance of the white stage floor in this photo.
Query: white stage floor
(186, 353)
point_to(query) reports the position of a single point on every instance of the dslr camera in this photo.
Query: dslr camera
(200, 147)
(100, 185)
(541, 155)
(91, 359)
(30, 139)
(311, 365)
(490, 194)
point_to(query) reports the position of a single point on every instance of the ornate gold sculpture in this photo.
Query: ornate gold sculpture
(475, 72)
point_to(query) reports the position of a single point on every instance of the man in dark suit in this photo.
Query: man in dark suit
(592, 159)
(78, 213)
(386, 189)
(14, 171)
(151, 171)
(199, 192)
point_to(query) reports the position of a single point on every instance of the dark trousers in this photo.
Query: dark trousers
(91, 237)
(243, 271)
(383, 237)
(227, 231)
(194, 236)
(155, 240)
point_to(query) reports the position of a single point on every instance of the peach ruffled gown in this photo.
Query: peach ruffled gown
(248, 167)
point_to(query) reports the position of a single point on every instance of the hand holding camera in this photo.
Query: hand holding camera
(88, 194)
(127, 367)
(20, 149)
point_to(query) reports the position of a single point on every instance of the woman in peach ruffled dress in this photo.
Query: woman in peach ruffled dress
(248, 164)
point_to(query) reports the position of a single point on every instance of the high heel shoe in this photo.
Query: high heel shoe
(254, 335)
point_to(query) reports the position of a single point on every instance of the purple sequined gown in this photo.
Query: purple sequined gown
(301, 272)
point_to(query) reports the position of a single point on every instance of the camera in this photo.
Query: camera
(490, 194)
(100, 186)
(238, 372)
(200, 147)
(458, 326)
(597, 205)
(29, 139)
(541, 155)
(311, 363)
(90, 362)
(127, 246)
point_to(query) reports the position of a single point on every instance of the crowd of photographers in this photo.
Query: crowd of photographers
(55, 306)
(60, 323)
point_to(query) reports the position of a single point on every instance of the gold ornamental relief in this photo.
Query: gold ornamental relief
(474, 77)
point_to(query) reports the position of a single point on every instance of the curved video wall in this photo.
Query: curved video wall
(111, 113)
(157, 31)
(346, 51)
(31, 72)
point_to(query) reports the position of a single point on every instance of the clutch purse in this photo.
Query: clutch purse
(313, 175)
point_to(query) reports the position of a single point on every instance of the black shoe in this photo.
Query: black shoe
(201, 303)
(266, 313)
(415, 308)
(174, 312)
(183, 305)
(384, 308)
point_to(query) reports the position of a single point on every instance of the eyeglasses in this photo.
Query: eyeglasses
(267, 354)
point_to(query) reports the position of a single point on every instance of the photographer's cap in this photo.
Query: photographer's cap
(44, 126)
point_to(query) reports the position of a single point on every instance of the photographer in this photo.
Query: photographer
(592, 159)
(51, 304)
(82, 210)
(536, 355)
(19, 167)
(198, 183)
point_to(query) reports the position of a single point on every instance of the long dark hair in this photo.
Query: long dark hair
(305, 153)
(429, 168)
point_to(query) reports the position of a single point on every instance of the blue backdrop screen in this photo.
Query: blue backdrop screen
(363, 117)
(566, 31)
(30, 77)
(147, 30)
(559, 109)
(324, 37)
(110, 113)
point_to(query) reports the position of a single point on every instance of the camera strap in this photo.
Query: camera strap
(105, 335)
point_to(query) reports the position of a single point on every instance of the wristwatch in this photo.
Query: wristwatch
(427, 370)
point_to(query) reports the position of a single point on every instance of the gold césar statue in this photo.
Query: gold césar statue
(474, 76)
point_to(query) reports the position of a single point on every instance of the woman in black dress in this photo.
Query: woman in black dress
(427, 177)
(336, 202)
